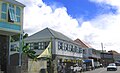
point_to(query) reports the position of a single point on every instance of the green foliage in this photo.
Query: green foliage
(25, 48)
(30, 53)
(17, 37)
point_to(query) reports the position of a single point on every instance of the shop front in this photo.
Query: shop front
(69, 64)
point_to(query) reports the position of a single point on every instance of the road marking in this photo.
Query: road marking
(102, 71)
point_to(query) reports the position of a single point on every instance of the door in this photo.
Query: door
(4, 49)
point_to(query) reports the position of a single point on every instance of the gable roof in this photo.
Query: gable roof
(82, 43)
(48, 33)
(14, 2)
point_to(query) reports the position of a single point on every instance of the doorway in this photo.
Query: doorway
(4, 50)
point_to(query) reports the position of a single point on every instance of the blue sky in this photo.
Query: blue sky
(93, 21)
(82, 8)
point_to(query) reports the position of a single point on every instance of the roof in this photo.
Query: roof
(48, 33)
(113, 52)
(82, 44)
(14, 2)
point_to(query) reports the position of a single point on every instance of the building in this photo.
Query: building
(116, 56)
(106, 58)
(90, 55)
(110, 57)
(64, 50)
(11, 23)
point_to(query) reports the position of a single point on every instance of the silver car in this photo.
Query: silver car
(112, 66)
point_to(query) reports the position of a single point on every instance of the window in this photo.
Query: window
(11, 14)
(36, 45)
(46, 44)
(65, 46)
(31, 45)
(75, 48)
(41, 46)
(60, 45)
(80, 50)
(84, 51)
(71, 48)
(18, 14)
(4, 11)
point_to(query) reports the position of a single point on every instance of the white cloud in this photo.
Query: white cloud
(104, 28)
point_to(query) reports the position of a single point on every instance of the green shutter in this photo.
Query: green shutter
(18, 11)
(18, 19)
(3, 15)
(18, 14)
(12, 13)
(4, 11)
(4, 7)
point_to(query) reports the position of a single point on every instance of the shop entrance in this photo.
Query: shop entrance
(4, 48)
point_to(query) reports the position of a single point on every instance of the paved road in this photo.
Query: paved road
(103, 70)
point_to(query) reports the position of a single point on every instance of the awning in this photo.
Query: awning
(73, 61)
(86, 61)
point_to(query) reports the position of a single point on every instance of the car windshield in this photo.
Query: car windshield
(112, 64)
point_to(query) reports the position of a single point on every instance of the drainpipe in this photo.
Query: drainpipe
(20, 49)
(9, 50)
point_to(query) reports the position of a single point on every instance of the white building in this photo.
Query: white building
(64, 50)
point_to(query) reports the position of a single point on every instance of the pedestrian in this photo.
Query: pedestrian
(63, 68)
(59, 68)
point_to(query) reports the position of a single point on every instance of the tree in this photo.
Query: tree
(25, 47)
(17, 37)
(30, 53)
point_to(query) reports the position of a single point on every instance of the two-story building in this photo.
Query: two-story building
(11, 23)
(64, 50)
(91, 56)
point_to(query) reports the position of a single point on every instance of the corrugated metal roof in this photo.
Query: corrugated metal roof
(14, 2)
(48, 33)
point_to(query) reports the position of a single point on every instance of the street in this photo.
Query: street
(103, 70)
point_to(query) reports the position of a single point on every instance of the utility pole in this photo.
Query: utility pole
(102, 55)
(102, 47)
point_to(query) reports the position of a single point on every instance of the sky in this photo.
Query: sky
(92, 21)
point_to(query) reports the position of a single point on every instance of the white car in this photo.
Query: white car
(77, 69)
(112, 66)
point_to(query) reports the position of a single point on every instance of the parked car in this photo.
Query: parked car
(77, 69)
(112, 66)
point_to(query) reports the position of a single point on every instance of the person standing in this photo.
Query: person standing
(63, 68)
(59, 68)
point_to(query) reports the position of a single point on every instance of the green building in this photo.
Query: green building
(11, 23)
